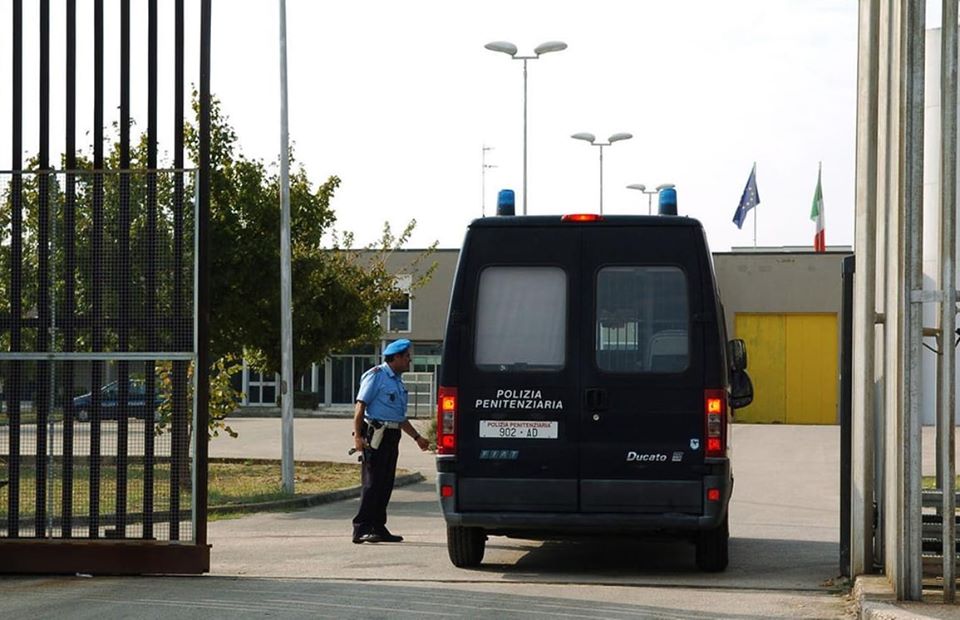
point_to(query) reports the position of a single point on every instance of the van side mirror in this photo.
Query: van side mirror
(737, 351)
(741, 389)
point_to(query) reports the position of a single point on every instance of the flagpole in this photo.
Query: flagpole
(755, 209)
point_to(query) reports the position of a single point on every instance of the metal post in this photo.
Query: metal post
(909, 577)
(846, 382)
(69, 224)
(601, 178)
(286, 383)
(150, 386)
(948, 307)
(42, 397)
(96, 269)
(524, 136)
(755, 209)
(483, 179)
(202, 393)
(122, 277)
(179, 442)
(16, 270)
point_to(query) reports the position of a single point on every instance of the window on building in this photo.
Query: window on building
(399, 313)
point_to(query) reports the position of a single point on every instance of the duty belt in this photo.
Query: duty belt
(379, 423)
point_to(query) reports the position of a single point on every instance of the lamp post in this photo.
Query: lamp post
(506, 47)
(650, 193)
(592, 139)
(483, 179)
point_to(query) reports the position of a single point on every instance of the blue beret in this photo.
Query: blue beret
(397, 346)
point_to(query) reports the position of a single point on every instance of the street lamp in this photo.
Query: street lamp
(506, 47)
(592, 139)
(650, 193)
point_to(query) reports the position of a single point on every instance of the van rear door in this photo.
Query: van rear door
(518, 391)
(642, 372)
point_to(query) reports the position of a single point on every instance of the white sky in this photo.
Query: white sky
(397, 98)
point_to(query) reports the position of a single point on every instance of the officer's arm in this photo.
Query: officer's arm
(409, 429)
(358, 411)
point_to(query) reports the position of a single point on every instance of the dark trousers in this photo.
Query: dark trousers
(379, 471)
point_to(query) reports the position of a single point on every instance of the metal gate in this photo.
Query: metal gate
(103, 319)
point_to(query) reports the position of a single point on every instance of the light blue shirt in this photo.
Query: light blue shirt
(384, 394)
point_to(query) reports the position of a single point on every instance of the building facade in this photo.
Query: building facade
(784, 302)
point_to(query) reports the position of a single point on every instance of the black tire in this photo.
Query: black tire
(466, 546)
(713, 548)
(83, 415)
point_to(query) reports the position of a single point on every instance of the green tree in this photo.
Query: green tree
(338, 292)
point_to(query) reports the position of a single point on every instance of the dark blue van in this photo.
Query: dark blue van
(586, 384)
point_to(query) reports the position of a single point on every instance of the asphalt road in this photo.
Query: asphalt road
(783, 553)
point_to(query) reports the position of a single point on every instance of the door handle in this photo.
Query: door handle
(595, 398)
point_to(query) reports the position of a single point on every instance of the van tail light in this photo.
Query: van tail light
(715, 418)
(581, 217)
(447, 420)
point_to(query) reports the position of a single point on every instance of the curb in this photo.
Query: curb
(309, 500)
(874, 600)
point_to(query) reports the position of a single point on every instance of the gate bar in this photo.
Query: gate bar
(946, 367)
(16, 273)
(41, 393)
(909, 578)
(96, 260)
(179, 449)
(151, 267)
(69, 238)
(202, 261)
(122, 272)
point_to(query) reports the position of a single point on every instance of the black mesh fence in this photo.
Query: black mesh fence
(96, 355)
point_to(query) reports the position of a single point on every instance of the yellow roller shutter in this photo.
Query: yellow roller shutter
(793, 365)
(765, 337)
(811, 369)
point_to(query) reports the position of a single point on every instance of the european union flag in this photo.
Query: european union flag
(749, 199)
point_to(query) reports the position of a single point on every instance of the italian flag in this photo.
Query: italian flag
(816, 214)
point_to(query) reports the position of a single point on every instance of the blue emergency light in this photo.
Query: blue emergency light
(506, 202)
(668, 201)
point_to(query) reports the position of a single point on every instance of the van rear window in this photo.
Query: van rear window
(521, 319)
(642, 320)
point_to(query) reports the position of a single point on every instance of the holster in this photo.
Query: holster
(374, 432)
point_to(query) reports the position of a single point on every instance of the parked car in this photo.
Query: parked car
(109, 400)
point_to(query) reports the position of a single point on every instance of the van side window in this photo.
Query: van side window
(642, 318)
(521, 319)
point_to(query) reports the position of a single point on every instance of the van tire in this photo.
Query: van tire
(465, 546)
(712, 548)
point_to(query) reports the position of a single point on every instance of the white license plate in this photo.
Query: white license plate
(518, 429)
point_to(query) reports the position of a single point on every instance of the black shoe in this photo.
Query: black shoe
(386, 536)
(369, 538)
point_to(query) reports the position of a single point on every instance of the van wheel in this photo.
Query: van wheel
(712, 548)
(465, 546)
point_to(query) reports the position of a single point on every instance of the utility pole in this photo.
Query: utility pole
(286, 319)
(483, 179)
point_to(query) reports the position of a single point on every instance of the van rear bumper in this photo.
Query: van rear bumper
(545, 523)
(582, 523)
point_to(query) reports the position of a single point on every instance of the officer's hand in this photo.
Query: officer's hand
(358, 443)
(423, 443)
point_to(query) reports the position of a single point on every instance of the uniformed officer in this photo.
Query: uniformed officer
(379, 416)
